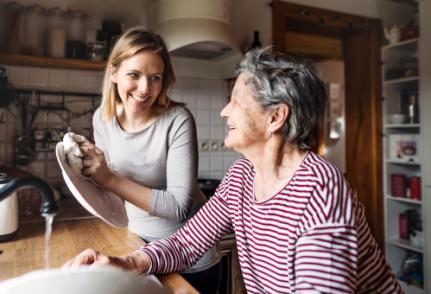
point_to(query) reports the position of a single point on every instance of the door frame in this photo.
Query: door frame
(360, 38)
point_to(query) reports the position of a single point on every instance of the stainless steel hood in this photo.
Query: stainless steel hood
(198, 29)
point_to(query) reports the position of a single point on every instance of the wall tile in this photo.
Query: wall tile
(218, 102)
(203, 131)
(203, 117)
(216, 119)
(204, 163)
(203, 102)
(217, 163)
(18, 76)
(218, 175)
(203, 87)
(190, 101)
(217, 132)
(93, 81)
(57, 79)
(75, 81)
(38, 77)
(204, 97)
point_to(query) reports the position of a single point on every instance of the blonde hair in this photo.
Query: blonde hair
(132, 42)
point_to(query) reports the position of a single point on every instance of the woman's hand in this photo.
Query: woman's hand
(137, 262)
(94, 164)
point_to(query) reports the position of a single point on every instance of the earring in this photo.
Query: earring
(270, 134)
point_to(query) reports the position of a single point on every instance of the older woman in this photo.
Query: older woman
(298, 225)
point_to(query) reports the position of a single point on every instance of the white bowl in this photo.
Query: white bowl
(82, 280)
(396, 118)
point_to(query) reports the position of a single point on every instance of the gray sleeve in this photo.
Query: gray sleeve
(181, 172)
(97, 130)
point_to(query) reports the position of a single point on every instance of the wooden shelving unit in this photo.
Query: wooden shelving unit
(42, 61)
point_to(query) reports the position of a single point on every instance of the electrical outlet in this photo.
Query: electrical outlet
(214, 145)
(204, 145)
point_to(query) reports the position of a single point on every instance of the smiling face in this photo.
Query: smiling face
(245, 118)
(139, 80)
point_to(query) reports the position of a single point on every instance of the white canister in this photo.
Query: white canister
(56, 33)
(57, 42)
(8, 212)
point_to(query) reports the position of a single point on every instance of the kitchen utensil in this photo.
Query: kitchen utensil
(87, 280)
(8, 211)
(96, 200)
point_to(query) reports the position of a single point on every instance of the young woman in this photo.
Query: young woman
(146, 148)
(298, 225)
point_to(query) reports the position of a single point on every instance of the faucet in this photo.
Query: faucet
(49, 206)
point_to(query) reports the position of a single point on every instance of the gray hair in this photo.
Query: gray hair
(279, 79)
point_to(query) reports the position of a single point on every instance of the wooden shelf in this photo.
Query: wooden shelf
(42, 61)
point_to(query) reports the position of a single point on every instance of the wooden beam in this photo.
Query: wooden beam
(313, 45)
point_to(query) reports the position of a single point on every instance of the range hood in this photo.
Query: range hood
(198, 29)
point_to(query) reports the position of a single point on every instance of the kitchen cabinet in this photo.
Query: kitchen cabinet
(406, 172)
(49, 62)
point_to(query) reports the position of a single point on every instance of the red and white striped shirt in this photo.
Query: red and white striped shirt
(311, 237)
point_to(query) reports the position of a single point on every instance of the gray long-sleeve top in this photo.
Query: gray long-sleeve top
(162, 156)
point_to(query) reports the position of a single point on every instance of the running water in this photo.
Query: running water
(49, 218)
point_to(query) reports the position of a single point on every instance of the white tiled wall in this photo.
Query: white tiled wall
(204, 97)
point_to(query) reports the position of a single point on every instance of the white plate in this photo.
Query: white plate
(82, 280)
(99, 202)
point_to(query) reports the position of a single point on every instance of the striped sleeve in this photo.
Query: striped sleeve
(198, 235)
(326, 259)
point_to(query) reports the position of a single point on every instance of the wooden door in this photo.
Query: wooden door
(363, 124)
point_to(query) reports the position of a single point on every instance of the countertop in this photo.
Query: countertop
(71, 236)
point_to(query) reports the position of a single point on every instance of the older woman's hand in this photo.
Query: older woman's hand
(95, 165)
(137, 262)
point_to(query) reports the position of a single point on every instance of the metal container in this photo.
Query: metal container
(8, 212)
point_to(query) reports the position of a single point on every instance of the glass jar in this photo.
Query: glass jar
(56, 32)
(96, 51)
(35, 28)
(13, 28)
(75, 26)
(92, 25)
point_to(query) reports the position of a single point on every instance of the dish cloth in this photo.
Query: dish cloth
(71, 142)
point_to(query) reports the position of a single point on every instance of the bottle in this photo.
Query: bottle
(412, 109)
(256, 42)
